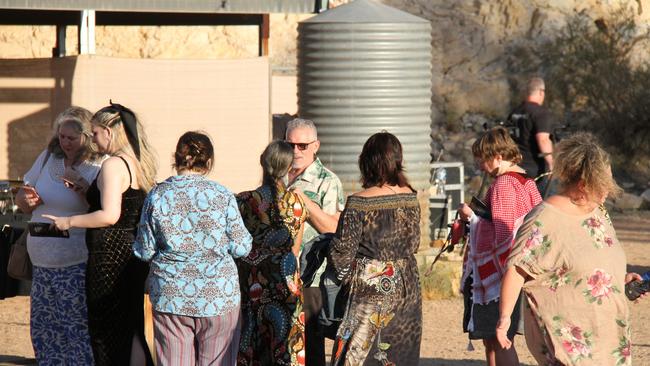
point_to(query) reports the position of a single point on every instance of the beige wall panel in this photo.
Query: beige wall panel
(284, 94)
(229, 99)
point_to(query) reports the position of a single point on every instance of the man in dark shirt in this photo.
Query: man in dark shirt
(535, 127)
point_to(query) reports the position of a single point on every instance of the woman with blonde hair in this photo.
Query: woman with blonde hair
(115, 277)
(56, 185)
(571, 267)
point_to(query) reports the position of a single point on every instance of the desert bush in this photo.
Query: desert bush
(598, 78)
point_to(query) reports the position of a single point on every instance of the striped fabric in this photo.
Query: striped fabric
(185, 340)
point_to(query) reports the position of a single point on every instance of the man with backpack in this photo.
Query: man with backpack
(534, 127)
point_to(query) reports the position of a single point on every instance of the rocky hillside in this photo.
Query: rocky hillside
(473, 42)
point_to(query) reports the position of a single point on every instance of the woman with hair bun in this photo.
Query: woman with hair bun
(571, 266)
(191, 231)
(273, 321)
(114, 277)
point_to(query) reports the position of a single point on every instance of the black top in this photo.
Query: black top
(531, 119)
(115, 281)
(132, 201)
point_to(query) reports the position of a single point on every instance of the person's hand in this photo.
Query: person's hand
(61, 223)
(502, 332)
(73, 180)
(631, 276)
(31, 197)
(465, 212)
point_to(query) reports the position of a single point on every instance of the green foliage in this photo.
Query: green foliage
(593, 78)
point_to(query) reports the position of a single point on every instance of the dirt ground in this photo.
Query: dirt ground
(443, 342)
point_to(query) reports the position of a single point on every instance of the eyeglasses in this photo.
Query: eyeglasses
(301, 145)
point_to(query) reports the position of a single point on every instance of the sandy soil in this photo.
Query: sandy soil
(443, 342)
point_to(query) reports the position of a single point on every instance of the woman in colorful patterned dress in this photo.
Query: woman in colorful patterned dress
(373, 251)
(273, 321)
(510, 197)
(191, 231)
(571, 267)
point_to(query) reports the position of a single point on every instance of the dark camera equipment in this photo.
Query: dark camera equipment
(635, 289)
(509, 125)
(480, 208)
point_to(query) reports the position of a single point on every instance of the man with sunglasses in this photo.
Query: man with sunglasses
(323, 195)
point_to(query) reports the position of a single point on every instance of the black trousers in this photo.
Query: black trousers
(314, 335)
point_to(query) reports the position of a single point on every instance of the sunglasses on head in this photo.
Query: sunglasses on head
(301, 145)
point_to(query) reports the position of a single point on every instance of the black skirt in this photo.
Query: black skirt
(486, 316)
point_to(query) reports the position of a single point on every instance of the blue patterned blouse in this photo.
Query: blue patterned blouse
(191, 230)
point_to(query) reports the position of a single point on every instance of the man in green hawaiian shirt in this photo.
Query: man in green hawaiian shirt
(323, 195)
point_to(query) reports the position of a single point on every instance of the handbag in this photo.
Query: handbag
(19, 265)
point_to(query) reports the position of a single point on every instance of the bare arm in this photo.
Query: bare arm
(545, 147)
(112, 181)
(319, 219)
(510, 289)
(297, 242)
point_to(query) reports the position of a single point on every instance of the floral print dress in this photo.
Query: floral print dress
(373, 252)
(577, 312)
(273, 322)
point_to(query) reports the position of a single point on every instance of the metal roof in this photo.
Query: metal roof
(365, 11)
(174, 6)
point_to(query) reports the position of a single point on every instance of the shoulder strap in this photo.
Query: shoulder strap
(128, 169)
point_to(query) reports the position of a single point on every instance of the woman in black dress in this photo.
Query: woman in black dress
(114, 277)
(373, 251)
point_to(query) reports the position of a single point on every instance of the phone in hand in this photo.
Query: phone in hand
(46, 229)
(634, 289)
(68, 183)
(30, 191)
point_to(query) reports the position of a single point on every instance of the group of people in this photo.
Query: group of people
(553, 266)
(222, 271)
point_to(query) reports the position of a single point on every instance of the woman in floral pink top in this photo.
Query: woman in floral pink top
(571, 267)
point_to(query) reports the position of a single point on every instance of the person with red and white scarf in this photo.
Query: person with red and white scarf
(510, 197)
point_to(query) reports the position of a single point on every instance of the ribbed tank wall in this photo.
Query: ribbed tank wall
(356, 79)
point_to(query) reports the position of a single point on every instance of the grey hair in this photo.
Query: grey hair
(534, 84)
(301, 123)
(276, 161)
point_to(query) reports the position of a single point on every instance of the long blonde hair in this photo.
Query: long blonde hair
(109, 117)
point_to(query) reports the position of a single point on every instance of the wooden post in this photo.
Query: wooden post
(264, 33)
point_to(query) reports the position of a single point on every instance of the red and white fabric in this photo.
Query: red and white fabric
(510, 197)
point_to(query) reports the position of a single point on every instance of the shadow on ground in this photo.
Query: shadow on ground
(16, 360)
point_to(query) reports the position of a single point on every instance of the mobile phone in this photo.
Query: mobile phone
(68, 183)
(46, 229)
(30, 190)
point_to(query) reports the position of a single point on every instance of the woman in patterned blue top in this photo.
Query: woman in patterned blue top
(191, 230)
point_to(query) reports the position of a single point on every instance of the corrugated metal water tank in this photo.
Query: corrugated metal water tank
(365, 67)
